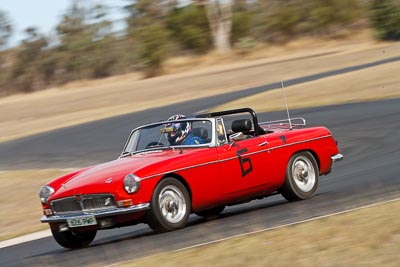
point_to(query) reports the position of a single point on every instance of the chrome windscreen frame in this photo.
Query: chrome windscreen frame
(213, 142)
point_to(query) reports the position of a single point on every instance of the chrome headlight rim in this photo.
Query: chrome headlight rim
(45, 192)
(131, 183)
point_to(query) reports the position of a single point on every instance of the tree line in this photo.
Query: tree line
(85, 45)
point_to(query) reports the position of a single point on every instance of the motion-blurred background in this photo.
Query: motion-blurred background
(69, 97)
(91, 42)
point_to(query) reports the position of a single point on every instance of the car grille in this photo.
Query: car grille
(83, 203)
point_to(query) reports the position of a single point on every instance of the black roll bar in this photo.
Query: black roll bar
(257, 129)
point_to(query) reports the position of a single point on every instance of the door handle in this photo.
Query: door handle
(263, 143)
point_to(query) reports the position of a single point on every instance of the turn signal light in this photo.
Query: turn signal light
(47, 212)
(125, 203)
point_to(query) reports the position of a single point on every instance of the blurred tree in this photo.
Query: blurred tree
(75, 43)
(86, 43)
(103, 56)
(219, 13)
(147, 27)
(283, 20)
(385, 19)
(5, 29)
(242, 20)
(190, 28)
(143, 13)
(86, 47)
(152, 48)
(240, 5)
(5, 33)
(26, 71)
(326, 14)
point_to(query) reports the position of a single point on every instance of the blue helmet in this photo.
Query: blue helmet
(177, 131)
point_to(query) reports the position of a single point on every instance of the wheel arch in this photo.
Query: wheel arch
(156, 218)
(313, 153)
(180, 179)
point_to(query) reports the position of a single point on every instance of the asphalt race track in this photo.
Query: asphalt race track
(368, 136)
(103, 140)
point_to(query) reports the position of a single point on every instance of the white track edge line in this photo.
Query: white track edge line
(25, 238)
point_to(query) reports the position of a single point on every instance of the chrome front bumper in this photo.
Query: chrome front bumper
(99, 214)
(337, 157)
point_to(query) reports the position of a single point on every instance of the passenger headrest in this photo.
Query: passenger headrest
(243, 125)
(200, 132)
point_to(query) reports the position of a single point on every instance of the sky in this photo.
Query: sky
(43, 14)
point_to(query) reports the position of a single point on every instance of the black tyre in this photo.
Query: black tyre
(302, 177)
(74, 240)
(210, 213)
(170, 206)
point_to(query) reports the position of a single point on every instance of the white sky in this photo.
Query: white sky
(44, 14)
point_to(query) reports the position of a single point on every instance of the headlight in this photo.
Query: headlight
(45, 192)
(131, 183)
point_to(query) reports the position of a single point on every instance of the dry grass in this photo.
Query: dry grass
(379, 82)
(20, 204)
(300, 47)
(368, 237)
(81, 102)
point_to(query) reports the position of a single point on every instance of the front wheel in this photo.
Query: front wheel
(74, 240)
(170, 206)
(302, 176)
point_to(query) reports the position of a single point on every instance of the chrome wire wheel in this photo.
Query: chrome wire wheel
(302, 177)
(303, 173)
(172, 204)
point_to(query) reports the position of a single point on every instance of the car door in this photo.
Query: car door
(244, 166)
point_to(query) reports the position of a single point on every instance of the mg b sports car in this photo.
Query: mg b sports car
(170, 169)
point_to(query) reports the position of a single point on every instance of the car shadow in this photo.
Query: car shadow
(240, 209)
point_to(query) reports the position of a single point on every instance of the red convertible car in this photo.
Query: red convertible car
(170, 169)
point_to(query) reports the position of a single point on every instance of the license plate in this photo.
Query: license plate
(82, 221)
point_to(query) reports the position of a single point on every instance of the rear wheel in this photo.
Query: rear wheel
(74, 240)
(170, 206)
(302, 176)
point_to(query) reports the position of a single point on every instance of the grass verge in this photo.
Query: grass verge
(381, 82)
(366, 237)
(20, 204)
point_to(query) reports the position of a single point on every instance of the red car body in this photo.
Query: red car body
(161, 184)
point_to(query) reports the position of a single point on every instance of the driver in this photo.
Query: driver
(180, 133)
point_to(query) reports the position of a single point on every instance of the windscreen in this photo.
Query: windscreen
(170, 134)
